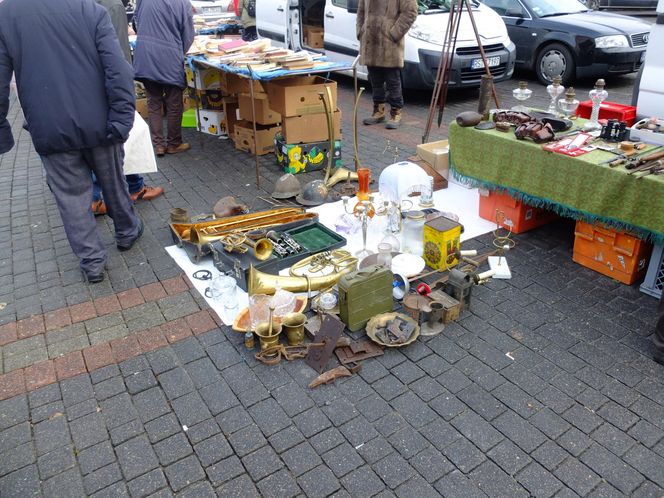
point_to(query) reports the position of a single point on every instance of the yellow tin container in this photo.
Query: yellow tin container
(442, 238)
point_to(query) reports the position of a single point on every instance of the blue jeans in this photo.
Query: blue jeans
(135, 183)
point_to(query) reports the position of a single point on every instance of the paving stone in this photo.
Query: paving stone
(427, 389)
(319, 482)
(431, 465)
(190, 409)
(118, 410)
(341, 410)
(125, 432)
(162, 360)
(464, 455)
(574, 441)
(198, 490)
(538, 481)
(413, 409)
(408, 442)
(102, 478)
(477, 430)
(555, 399)
(15, 436)
(481, 402)
(301, 458)
(373, 370)
(109, 388)
(225, 470)
(311, 422)
(354, 388)
(240, 487)
(549, 423)
(278, 485)
(447, 406)
(140, 381)
(184, 472)
(648, 463)
(44, 395)
(362, 482)
(494, 482)
(68, 483)
(550, 455)
(136, 457)
(592, 399)
(261, 463)
(389, 387)
(51, 434)
(172, 449)
(577, 476)
(358, 431)
(342, 459)
(213, 450)
(55, 462)
(47, 411)
(202, 431)
(393, 470)
(23, 482)
(617, 415)
(293, 399)
(582, 418)
(247, 440)
(509, 457)
(453, 380)
(620, 393)
(407, 372)
(516, 399)
(223, 355)
(650, 490)
(456, 484)
(233, 419)
(519, 431)
(291, 436)
(218, 397)
(612, 469)
(373, 407)
(202, 371)
(269, 416)
(76, 390)
(104, 373)
(96, 457)
(176, 383)
(646, 433)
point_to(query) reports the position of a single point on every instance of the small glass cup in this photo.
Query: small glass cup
(384, 255)
(223, 289)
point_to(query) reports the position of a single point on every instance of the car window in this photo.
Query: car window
(544, 8)
(503, 7)
(340, 3)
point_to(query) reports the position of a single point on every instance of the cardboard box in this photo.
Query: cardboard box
(439, 181)
(314, 36)
(211, 122)
(232, 84)
(264, 115)
(142, 107)
(310, 128)
(437, 155)
(230, 112)
(299, 95)
(204, 79)
(303, 158)
(264, 141)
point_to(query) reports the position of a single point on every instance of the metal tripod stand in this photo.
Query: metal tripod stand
(439, 95)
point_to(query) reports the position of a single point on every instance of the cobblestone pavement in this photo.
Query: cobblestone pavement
(134, 388)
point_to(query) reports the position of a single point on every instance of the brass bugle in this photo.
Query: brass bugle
(265, 283)
(339, 175)
(261, 248)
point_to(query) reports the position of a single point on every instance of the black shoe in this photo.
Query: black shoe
(659, 357)
(128, 246)
(93, 278)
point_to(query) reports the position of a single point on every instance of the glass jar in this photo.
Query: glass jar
(413, 233)
(384, 255)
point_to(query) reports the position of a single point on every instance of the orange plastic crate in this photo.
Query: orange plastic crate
(610, 252)
(518, 216)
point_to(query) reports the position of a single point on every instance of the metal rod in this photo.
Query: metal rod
(253, 121)
(482, 54)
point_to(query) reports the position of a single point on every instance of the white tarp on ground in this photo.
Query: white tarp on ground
(455, 199)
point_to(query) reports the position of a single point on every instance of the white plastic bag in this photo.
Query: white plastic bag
(139, 155)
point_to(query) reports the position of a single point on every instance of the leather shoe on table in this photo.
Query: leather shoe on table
(147, 193)
(130, 244)
(99, 207)
(160, 151)
(180, 148)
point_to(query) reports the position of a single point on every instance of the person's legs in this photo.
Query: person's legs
(377, 80)
(174, 110)
(139, 191)
(107, 165)
(135, 183)
(69, 178)
(658, 336)
(98, 206)
(249, 33)
(394, 96)
(155, 95)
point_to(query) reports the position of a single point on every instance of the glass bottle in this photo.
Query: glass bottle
(363, 180)
(597, 96)
(554, 90)
(384, 255)
(413, 233)
(522, 94)
(569, 104)
(249, 340)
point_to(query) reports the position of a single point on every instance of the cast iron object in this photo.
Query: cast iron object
(468, 118)
(357, 351)
(329, 333)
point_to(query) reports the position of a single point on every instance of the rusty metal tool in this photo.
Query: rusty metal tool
(645, 157)
(329, 333)
(330, 376)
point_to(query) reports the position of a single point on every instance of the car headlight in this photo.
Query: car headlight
(613, 41)
(426, 34)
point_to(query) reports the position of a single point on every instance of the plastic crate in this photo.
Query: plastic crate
(615, 254)
(653, 284)
(608, 110)
(189, 118)
(518, 217)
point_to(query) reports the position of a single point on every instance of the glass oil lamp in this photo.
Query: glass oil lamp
(522, 94)
(569, 104)
(363, 211)
(554, 90)
(597, 96)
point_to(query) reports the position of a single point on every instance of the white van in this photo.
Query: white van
(289, 23)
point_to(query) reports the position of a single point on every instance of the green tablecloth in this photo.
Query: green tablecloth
(574, 187)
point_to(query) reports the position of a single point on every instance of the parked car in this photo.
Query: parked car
(564, 38)
(212, 10)
(289, 23)
(625, 4)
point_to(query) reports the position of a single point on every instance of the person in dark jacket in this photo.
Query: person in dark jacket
(77, 94)
(137, 188)
(164, 33)
(380, 27)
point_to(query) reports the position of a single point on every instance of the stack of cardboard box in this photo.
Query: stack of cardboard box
(303, 144)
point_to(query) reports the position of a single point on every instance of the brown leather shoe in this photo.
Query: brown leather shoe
(147, 193)
(160, 151)
(99, 207)
(180, 148)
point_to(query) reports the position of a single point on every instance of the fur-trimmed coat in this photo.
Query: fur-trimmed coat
(381, 27)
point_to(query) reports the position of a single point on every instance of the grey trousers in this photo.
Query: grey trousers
(68, 176)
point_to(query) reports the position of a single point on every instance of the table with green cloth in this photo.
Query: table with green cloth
(577, 187)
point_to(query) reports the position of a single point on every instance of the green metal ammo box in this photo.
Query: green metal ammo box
(364, 294)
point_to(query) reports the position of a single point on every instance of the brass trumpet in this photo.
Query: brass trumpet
(261, 248)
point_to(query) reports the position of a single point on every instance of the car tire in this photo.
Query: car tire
(555, 59)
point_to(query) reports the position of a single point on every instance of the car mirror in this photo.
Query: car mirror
(514, 12)
(351, 6)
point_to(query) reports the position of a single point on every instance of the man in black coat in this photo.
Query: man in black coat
(77, 93)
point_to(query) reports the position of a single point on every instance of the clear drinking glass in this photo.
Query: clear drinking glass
(385, 255)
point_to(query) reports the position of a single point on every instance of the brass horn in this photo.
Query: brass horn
(261, 248)
(339, 175)
(265, 283)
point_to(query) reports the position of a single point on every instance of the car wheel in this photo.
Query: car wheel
(555, 60)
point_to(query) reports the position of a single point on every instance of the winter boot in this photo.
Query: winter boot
(395, 119)
(378, 115)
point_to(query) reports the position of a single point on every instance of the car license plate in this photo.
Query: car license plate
(479, 63)
(212, 10)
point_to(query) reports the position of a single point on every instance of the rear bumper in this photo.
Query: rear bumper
(423, 74)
